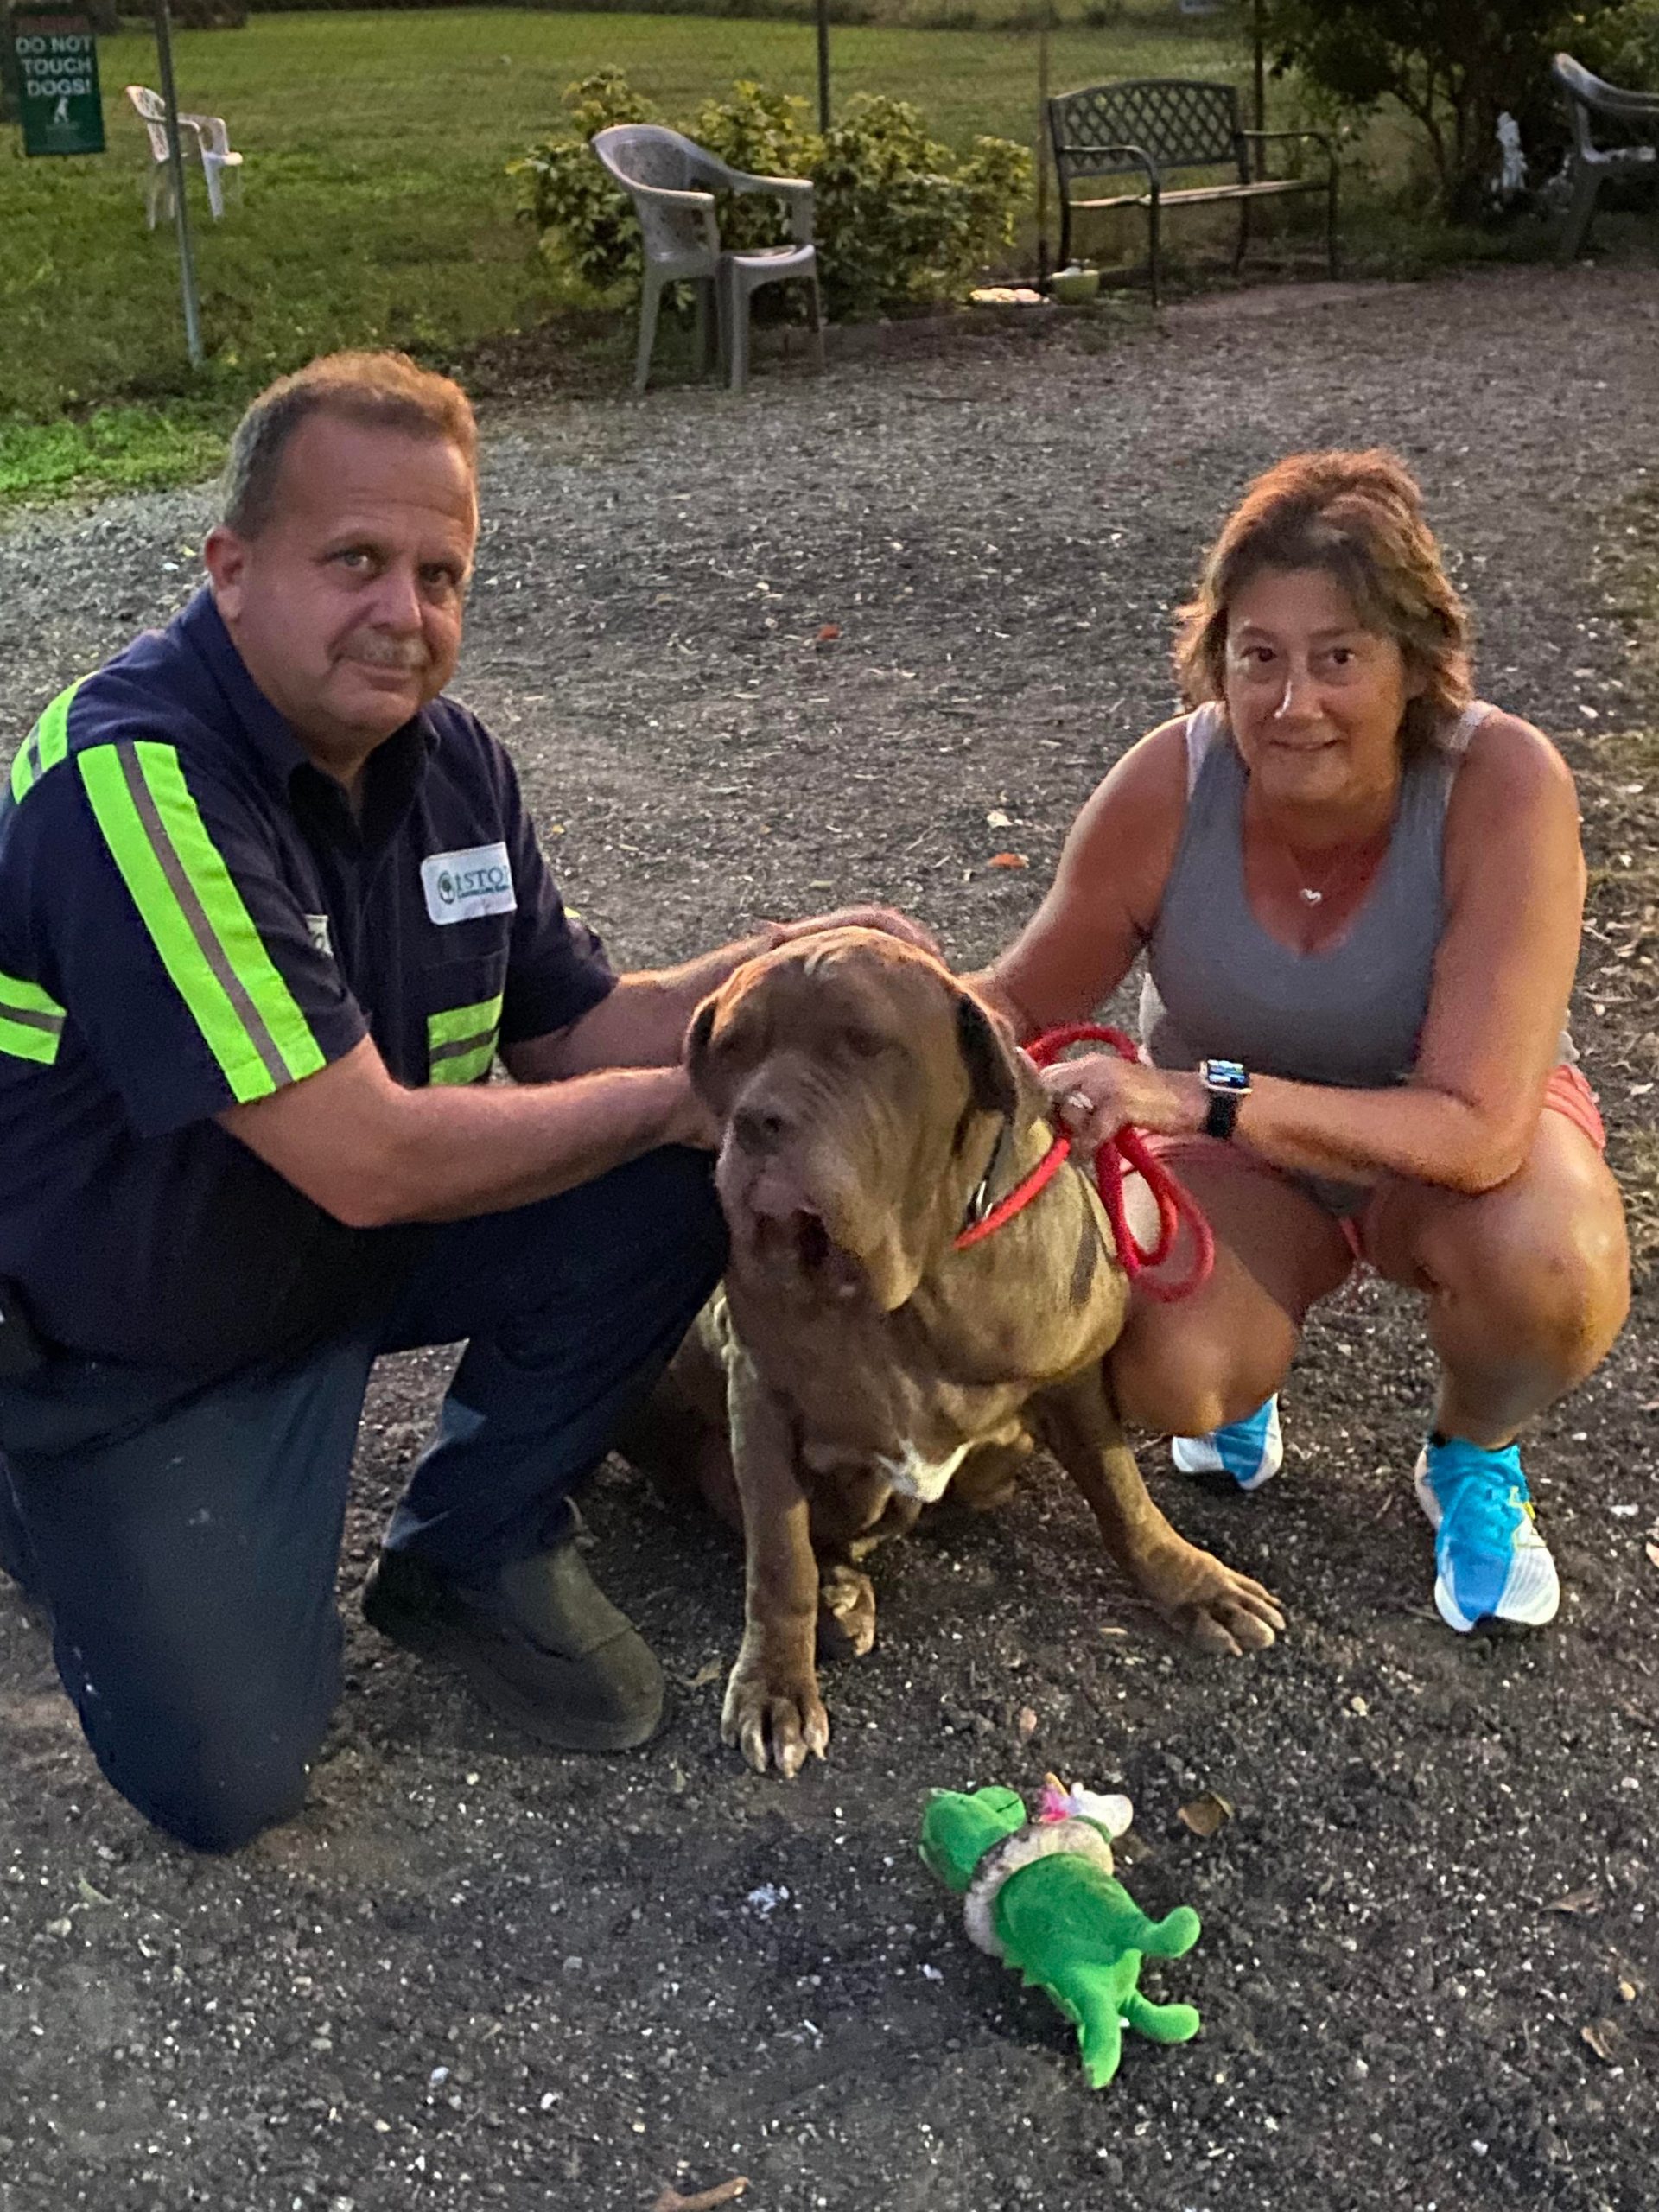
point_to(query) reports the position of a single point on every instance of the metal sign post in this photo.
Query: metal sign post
(1047, 17)
(55, 58)
(175, 170)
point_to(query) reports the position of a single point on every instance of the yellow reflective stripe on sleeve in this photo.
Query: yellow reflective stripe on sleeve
(466, 1066)
(31, 1022)
(19, 1040)
(16, 995)
(465, 1024)
(45, 746)
(460, 1041)
(24, 768)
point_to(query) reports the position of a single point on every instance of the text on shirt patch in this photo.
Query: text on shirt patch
(459, 886)
(316, 927)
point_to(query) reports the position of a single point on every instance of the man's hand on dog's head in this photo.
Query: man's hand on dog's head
(886, 919)
(691, 1122)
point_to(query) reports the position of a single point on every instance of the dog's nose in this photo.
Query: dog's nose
(759, 1129)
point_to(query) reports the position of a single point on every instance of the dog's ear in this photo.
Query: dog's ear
(697, 1036)
(989, 1059)
(697, 1055)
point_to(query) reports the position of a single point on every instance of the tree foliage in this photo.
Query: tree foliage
(1454, 66)
(1620, 43)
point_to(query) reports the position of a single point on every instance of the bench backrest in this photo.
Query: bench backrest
(1184, 123)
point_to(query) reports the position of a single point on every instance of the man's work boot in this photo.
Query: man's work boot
(542, 1644)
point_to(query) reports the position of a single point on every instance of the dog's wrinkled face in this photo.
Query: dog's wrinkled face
(855, 1080)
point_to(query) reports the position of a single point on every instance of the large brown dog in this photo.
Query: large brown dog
(870, 1105)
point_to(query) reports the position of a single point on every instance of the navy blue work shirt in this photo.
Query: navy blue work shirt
(191, 916)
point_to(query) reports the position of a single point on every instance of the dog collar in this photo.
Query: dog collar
(983, 1219)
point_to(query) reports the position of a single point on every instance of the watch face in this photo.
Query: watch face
(1226, 1074)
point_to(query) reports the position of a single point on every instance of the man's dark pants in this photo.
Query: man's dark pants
(187, 1546)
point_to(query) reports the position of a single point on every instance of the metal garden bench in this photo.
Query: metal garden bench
(1151, 127)
(1635, 118)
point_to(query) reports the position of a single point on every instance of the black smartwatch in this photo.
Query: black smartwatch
(1228, 1083)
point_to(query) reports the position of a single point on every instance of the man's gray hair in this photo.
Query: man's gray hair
(382, 391)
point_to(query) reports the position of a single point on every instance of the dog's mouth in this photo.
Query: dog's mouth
(797, 1244)
(797, 1235)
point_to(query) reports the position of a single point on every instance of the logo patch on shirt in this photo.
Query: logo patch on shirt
(316, 927)
(459, 886)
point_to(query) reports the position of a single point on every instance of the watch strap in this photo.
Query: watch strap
(1221, 1114)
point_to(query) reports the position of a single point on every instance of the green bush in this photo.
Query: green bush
(903, 221)
(898, 219)
(586, 224)
(1620, 43)
(766, 134)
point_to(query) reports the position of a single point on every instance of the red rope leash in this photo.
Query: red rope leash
(1173, 1201)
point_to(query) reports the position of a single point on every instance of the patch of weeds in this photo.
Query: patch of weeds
(1400, 243)
(128, 448)
(1100, 327)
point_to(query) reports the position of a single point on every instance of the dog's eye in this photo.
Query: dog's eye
(865, 1044)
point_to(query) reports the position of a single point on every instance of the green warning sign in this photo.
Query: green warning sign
(55, 58)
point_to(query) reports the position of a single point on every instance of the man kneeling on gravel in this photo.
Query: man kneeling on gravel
(270, 908)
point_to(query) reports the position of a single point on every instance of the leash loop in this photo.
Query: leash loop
(1175, 1204)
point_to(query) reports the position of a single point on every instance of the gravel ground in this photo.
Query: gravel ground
(473, 1976)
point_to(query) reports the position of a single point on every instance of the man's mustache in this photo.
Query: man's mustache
(409, 653)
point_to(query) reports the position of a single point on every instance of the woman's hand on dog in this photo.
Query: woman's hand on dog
(1097, 1095)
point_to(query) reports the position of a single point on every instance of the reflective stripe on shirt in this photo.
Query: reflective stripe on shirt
(460, 1042)
(31, 1022)
(45, 746)
(189, 903)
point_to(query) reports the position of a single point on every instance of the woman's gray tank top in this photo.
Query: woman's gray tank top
(1218, 987)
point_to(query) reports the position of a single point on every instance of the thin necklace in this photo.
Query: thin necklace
(1314, 894)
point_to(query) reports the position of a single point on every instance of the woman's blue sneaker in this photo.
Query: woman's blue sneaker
(1251, 1451)
(1491, 1563)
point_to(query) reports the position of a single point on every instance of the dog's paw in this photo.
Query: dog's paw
(1212, 1605)
(775, 1717)
(846, 1613)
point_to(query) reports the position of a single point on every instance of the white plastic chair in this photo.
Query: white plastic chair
(672, 182)
(212, 143)
(1635, 118)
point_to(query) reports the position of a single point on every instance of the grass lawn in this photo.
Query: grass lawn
(375, 209)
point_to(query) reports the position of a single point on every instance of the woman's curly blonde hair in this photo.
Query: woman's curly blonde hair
(1359, 516)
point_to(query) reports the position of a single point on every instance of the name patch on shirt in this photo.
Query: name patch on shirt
(459, 886)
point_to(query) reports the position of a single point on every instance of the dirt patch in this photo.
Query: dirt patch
(472, 1976)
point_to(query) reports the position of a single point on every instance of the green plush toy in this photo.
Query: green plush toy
(1040, 1896)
